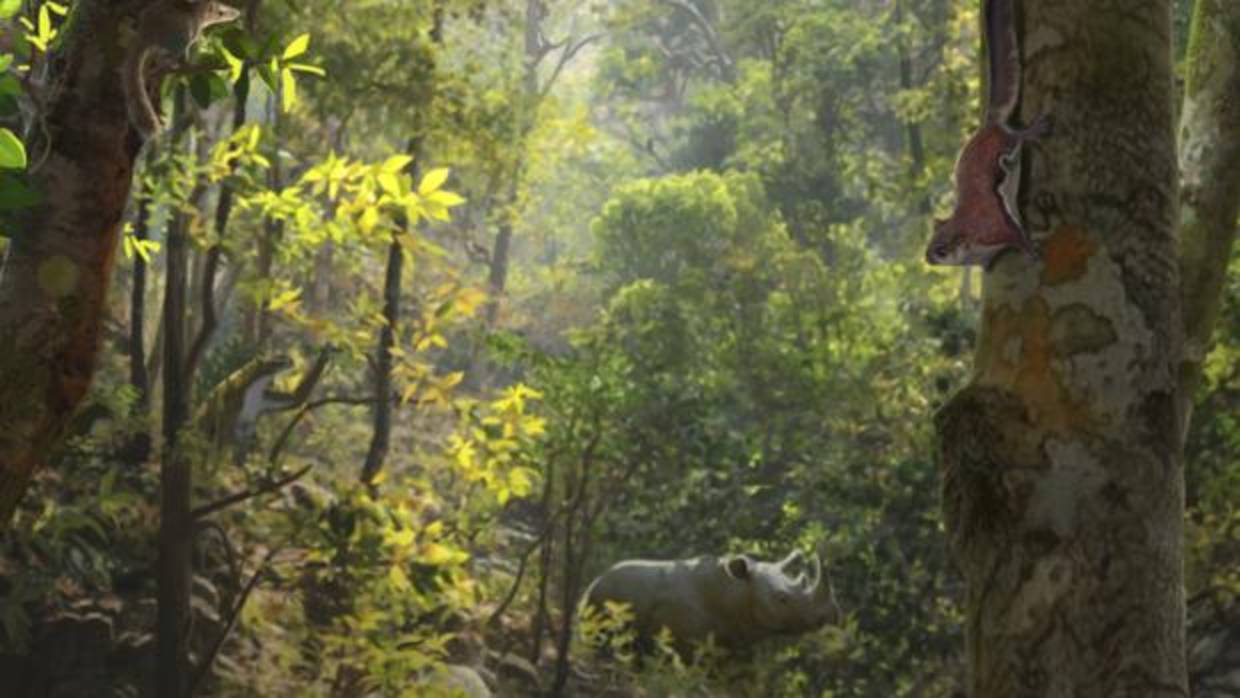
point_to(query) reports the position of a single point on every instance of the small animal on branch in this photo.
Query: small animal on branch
(167, 29)
(986, 219)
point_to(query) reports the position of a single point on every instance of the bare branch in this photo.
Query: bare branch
(727, 67)
(238, 497)
(567, 55)
(233, 615)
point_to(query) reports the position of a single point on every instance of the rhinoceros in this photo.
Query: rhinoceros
(736, 600)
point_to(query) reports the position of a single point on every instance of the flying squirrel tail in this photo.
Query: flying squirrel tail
(1003, 65)
(142, 114)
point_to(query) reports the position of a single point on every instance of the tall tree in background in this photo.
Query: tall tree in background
(1209, 178)
(381, 435)
(1063, 487)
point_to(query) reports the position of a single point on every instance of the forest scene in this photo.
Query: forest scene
(619, 348)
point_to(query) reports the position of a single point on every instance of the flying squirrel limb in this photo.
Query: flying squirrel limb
(986, 219)
(166, 29)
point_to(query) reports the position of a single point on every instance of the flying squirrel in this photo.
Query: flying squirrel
(986, 219)
(170, 28)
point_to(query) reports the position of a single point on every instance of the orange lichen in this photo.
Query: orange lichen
(1016, 354)
(1066, 255)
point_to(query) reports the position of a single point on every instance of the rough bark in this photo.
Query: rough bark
(59, 262)
(1062, 472)
(1209, 178)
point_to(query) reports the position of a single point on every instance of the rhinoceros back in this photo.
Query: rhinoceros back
(660, 593)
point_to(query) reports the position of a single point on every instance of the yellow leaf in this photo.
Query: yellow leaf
(296, 47)
(288, 87)
(446, 199)
(398, 578)
(433, 180)
(437, 554)
(396, 163)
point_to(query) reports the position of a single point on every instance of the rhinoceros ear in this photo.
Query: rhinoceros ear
(737, 567)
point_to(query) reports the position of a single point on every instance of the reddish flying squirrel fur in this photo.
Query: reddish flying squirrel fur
(986, 219)
(169, 28)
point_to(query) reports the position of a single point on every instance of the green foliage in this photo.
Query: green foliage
(714, 337)
(12, 151)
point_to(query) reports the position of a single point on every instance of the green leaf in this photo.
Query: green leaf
(200, 90)
(9, 86)
(296, 47)
(8, 8)
(16, 194)
(12, 151)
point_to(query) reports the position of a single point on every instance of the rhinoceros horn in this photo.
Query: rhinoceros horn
(814, 582)
(792, 556)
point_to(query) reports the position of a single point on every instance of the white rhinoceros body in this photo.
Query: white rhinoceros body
(737, 600)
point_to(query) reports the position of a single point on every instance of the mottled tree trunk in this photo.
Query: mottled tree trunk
(1209, 178)
(59, 262)
(1062, 479)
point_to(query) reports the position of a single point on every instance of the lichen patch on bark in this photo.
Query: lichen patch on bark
(1070, 480)
(1025, 366)
(1050, 580)
(1066, 254)
(1103, 342)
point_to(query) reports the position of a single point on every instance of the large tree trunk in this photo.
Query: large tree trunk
(1210, 178)
(59, 261)
(1062, 480)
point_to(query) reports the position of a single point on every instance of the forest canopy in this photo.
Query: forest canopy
(406, 320)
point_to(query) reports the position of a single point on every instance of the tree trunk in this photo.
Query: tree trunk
(176, 471)
(912, 129)
(138, 449)
(1062, 481)
(258, 319)
(223, 211)
(59, 261)
(381, 434)
(1209, 178)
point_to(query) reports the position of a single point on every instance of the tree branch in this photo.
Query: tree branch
(565, 57)
(209, 659)
(238, 497)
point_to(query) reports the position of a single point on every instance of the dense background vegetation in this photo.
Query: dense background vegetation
(590, 280)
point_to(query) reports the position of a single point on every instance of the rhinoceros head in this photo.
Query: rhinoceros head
(782, 603)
